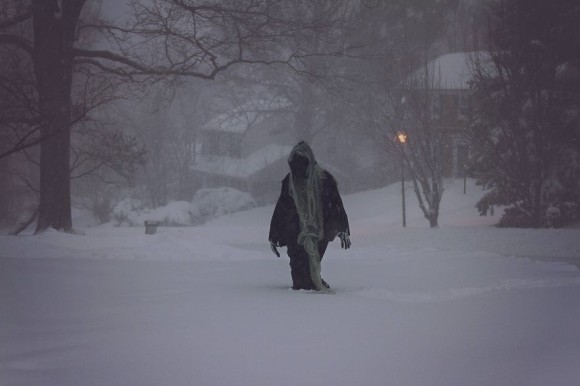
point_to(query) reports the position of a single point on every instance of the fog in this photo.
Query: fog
(169, 98)
(249, 116)
(143, 145)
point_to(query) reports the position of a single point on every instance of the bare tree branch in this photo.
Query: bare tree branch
(16, 19)
(22, 143)
(17, 41)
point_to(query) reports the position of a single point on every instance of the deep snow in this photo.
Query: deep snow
(465, 304)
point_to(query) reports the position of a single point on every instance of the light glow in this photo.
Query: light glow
(401, 137)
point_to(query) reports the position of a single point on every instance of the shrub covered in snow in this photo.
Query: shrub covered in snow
(176, 213)
(127, 211)
(220, 201)
(207, 203)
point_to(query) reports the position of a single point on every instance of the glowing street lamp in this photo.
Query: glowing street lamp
(402, 139)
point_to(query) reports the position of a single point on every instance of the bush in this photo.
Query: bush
(515, 218)
(207, 204)
(220, 201)
(128, 212)
(101, 209)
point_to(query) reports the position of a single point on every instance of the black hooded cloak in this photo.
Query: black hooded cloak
(285, 227)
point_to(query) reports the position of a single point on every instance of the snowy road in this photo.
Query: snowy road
(89, 322)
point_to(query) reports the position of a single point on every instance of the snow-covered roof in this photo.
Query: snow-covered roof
(450, 71)
(242, 167)
(242, 117)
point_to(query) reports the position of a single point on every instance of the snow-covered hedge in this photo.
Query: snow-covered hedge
(206, 204)
(218, 202)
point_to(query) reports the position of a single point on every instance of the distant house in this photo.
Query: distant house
(246, 148)
(451, 101)
(259, 173)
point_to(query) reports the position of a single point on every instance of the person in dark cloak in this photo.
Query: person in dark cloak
(308, 215)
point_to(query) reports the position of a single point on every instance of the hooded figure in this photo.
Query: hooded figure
(308, 215)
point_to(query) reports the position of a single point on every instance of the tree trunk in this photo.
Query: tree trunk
(54, 33)
(433, 220)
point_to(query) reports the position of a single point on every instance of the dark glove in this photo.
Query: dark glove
(344, 240)
(274, 249)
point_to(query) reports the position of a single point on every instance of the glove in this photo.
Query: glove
(344, 240)
(274, 249)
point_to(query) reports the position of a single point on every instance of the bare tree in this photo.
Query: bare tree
(165, 138)
(165, 38)
(312, 95)
(410, 114)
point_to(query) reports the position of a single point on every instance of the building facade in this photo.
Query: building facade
(451, 100)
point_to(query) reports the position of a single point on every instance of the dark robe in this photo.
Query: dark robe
(285, 227)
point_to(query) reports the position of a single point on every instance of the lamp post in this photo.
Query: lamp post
(402, 139)
(464, 179)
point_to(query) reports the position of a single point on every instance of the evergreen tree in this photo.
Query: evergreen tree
(527, 97)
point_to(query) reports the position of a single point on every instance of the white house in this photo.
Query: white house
(247, 148)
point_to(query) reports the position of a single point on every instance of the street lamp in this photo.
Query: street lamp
(464, 179)
(402, 139)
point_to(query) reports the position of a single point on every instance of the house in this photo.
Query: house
(247, 148)
(451, 98)
(258, 173)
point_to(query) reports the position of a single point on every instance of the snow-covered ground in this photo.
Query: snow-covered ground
(465, 304)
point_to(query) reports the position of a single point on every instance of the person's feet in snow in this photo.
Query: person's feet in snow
(308, 286)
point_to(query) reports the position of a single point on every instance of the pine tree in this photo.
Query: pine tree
(525, 127)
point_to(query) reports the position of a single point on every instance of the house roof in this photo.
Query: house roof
(242, 117)
(450, 71)
(242, 168)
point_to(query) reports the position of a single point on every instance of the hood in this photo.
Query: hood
(301, 160)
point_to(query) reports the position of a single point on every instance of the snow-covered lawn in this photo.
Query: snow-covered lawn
(465, 304)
